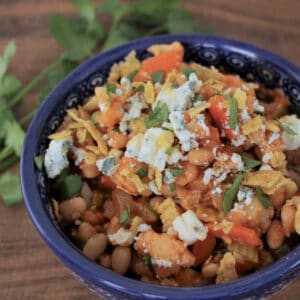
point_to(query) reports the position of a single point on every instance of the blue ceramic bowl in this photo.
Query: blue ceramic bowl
(251, 63)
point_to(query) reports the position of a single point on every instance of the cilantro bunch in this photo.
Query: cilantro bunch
(81, 36)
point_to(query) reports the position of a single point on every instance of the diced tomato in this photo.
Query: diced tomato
(203, 249)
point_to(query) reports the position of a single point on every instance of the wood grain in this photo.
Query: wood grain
(28, 269)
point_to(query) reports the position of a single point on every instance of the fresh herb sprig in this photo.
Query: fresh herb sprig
(81, 36)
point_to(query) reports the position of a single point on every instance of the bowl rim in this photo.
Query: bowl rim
(89, 270)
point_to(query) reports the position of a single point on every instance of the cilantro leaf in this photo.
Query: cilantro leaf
(142, 172)
(115, 8)
(39, 161)
(85, 9)
(10, 85)
(115, 38)
(8, 53)
(44, 92)
(10, 189)
(152, 7)
(286, 127)
(158, 76)
(157, 116)
(231, 192)
(15, 136)
(264, 199)
(180, 21)
(250, 162)
(68, 34)
(176, 171)
(125, 215)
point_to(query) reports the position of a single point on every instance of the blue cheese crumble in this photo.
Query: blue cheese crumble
(56, 158)
(186, 138)
(106, 165)
(151, 147)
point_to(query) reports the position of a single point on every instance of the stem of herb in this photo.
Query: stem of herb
(8, 162)
(36, 80)
(7, 151)
(155, 30)
(27, 117)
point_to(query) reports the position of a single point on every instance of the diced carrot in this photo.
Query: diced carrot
(165, 61)
(203, 249)
(237, 233)
(112, 115)
(219, 112)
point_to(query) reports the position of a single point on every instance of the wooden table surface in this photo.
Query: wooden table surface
(28, 269)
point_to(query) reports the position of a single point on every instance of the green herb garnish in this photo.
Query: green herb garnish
(110, 88)
(158, 76)
(175, 171)
(231, 192)
(264, 199)
(233, 111)
(166, 128)
(157, 116)
(147, 260)
(187, 72)
(39, 161)
(125, 215)
(172, 187)
(142, 172)
(116, 129)
(286, 128)
(250, 162)
(140, 88)
(10, 189)
(131, 75)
